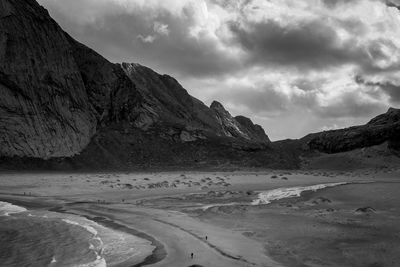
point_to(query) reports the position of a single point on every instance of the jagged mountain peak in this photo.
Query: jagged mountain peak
(240, 126)
(217, 105)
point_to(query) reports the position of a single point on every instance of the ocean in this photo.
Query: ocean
(43, 238)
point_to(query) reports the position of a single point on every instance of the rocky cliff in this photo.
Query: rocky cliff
(61, 99)
(44, 108)
(176, 108)
(238, 127)
(383, 128)
(64, 106)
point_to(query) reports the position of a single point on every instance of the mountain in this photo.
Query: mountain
(65, 107)
(44, 108)
(239, 127)
(374, 145)
(383, 128)
(63, 102)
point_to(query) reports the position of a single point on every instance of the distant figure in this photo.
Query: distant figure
(206, 237)
(192, 255)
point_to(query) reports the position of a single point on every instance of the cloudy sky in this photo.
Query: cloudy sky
(293, 66)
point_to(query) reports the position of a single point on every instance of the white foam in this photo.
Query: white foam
(98, 248)
(280, 193)
(87, 227)
(99, 262)
(114, 246)
(6, 209)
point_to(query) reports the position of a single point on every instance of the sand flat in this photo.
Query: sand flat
(167, 207)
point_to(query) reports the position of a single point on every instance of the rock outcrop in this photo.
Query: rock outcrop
(176, 108)
(238, 127)
(64, 106)
(44, 108)
(61, 99)
(383, 128)
(253, 131)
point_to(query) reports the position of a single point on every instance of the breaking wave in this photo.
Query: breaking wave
(42, 238)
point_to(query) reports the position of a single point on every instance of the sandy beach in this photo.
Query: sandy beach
(210, 214)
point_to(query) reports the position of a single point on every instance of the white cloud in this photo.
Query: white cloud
(161, 28)
(147, 39)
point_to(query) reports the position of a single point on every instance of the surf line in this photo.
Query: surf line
(158, 254)
(9, 206)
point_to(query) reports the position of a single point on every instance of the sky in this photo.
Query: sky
(292, 66)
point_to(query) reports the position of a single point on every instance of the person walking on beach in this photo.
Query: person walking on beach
(192, 255)
(206, 238)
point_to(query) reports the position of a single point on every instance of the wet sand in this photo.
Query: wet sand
(317, 229)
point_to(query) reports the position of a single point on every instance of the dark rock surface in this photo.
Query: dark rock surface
(254, 131)
(44, 109)
(175, 107)
(64, 103)
(238, 127)
(64, 106)
(383, 128)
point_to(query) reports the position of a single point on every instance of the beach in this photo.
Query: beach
(242, 218)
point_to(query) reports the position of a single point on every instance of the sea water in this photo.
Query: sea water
(41, 238)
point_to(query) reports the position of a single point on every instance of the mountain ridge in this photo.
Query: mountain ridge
(59, 94)
(382, 128)
(66, 107)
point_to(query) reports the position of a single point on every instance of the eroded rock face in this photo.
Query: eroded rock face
(238, 127)
(254, 131)
(383, 128)
(57, 94)
(175, 106)
(114, 97)
(44, 109)
(180, 110)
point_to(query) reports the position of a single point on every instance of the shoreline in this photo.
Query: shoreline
(164, 216)
(157, 255)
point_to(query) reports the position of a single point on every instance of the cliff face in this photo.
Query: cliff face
(238, 127)
(44, 109)
(383, 128)
(60, 98)
(112, 95)
(253, 131)
(176, 108)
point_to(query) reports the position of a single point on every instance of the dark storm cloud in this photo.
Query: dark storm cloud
(393, 3)
(349, 105)
(266, 57)
(267, 100)
(311, 45)
(390, 89)
(306, 45)
(120, 38)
